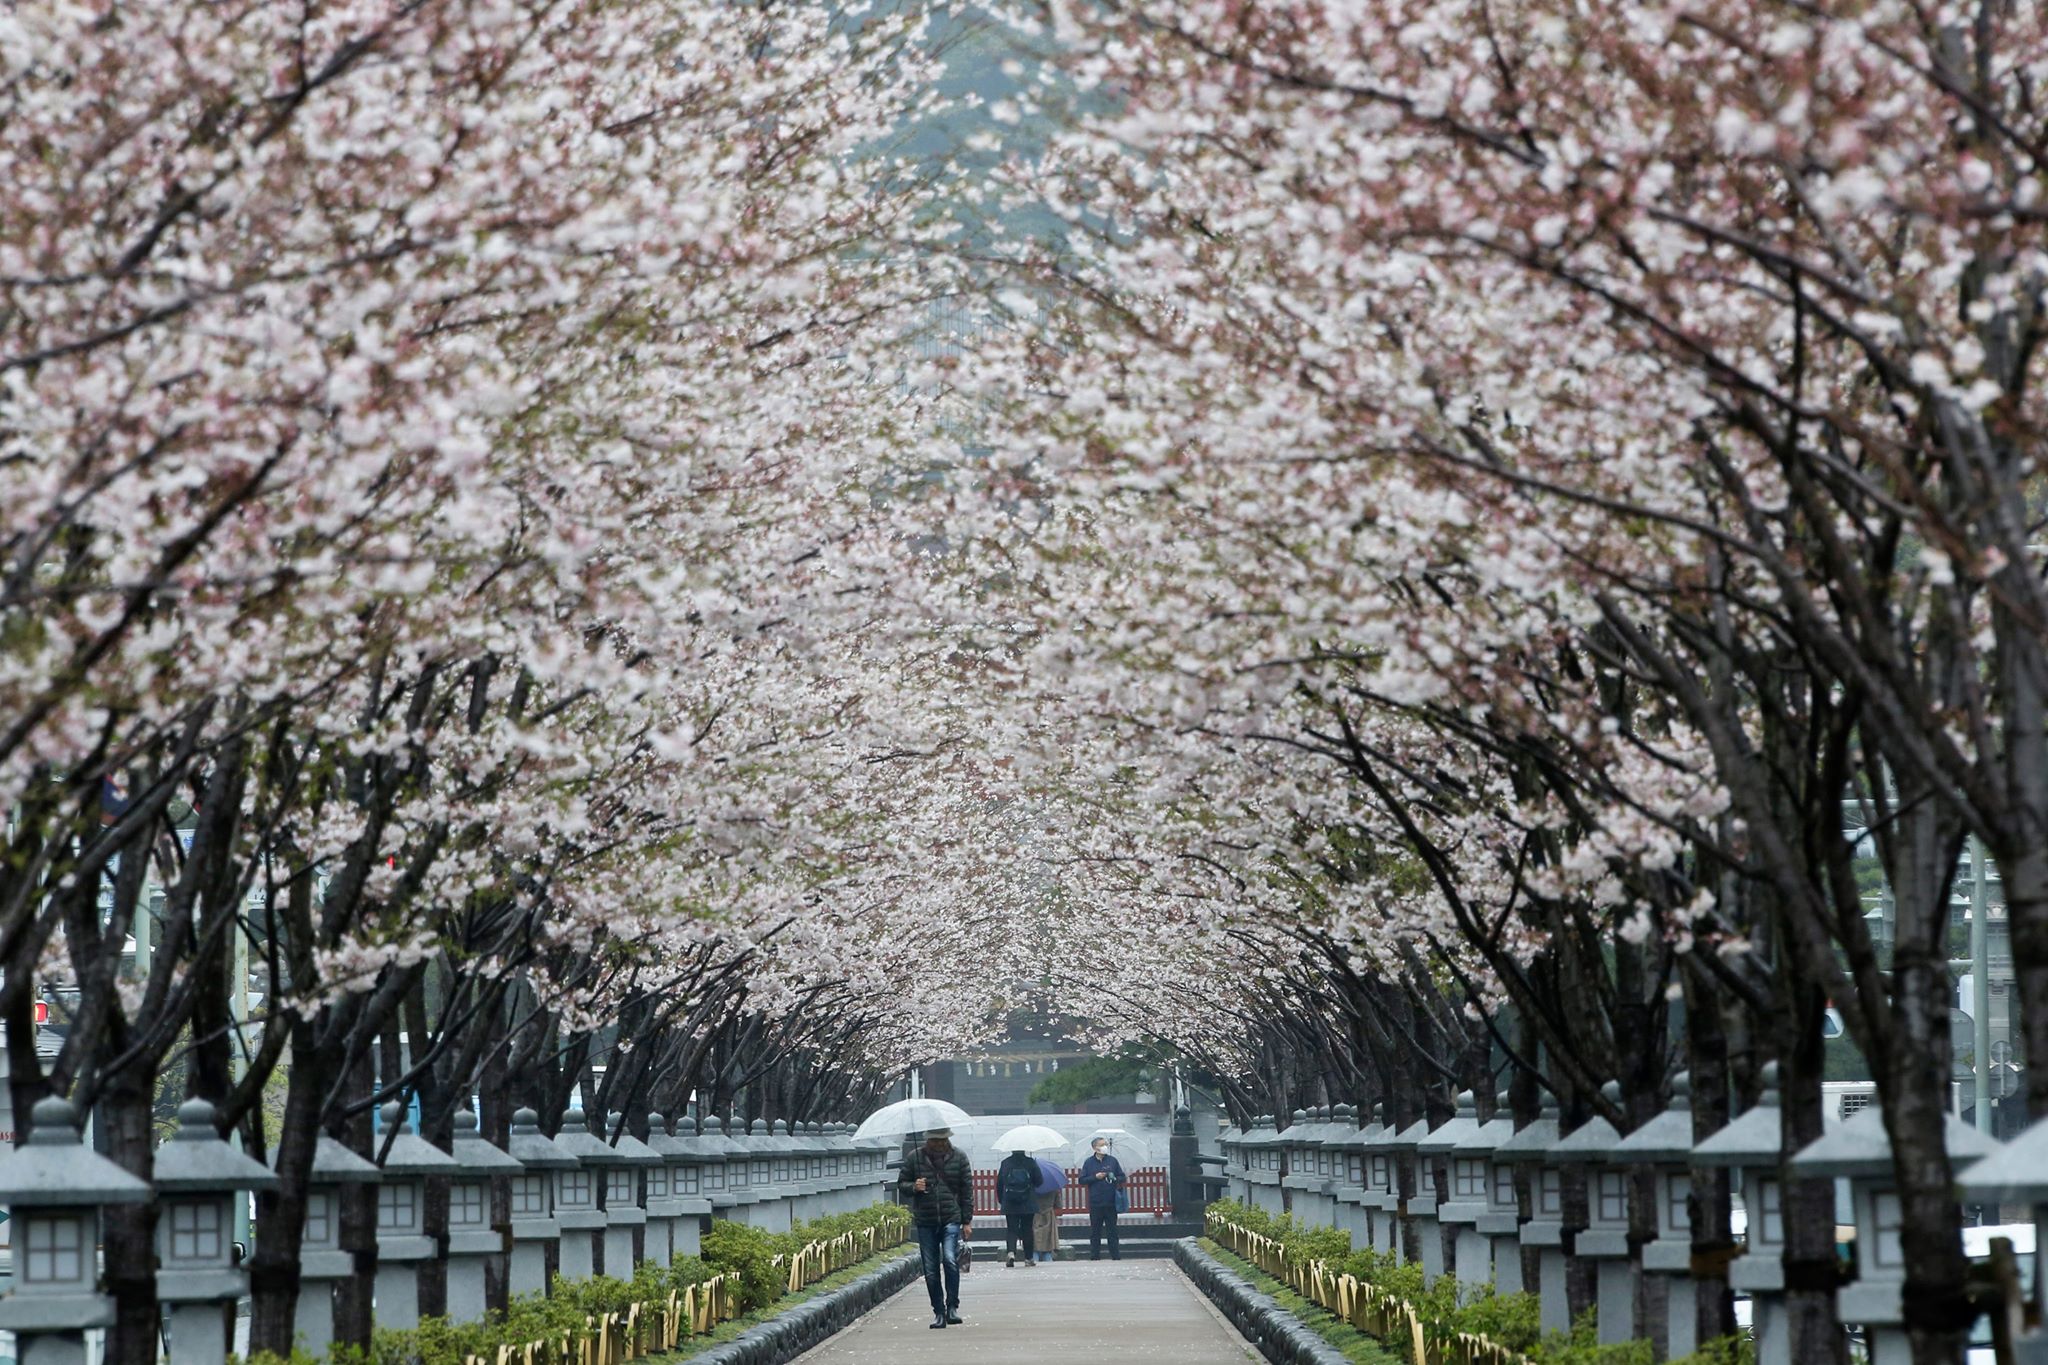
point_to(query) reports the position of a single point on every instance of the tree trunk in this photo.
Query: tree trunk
(281, 1213)
(1808, 1206)
(1710, 1208)
(129, 1230)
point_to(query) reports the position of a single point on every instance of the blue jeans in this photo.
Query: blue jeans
(938, 1246)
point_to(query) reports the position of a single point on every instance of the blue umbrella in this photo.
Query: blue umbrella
(1050, 1176)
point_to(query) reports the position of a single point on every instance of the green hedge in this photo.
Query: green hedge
(1512, 1320)
(536, 1317)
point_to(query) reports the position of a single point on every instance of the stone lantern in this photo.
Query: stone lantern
(1418, 1209)
(1752, 1146)
(1262, 1146)
(402, 1241)
(322, 1262)
(534, 1225)
(1305, 1186)
(1346, 1145)
(1230, 1139)
(876, 1182)
(577, 1191)
(1530, 1147)
(1664, 1144)
(1489, 1247)
(1432, 1152)
(674, 1203)
(2018, 1174)
(1860, 1151)
(53, 1188)
(768, 1174)
(624, 1214)
(1382, 1191)
(786, 1156)
(1604, 1240)
(823, 1187)
(473, 1243)
(658, 1193)
(718, 1152)
(841, 1168)
(198, 1178)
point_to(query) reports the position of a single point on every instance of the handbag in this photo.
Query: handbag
(965, 1257)
(1123, 1200)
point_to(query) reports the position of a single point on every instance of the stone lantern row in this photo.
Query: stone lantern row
(1334, 1167)
(588, 1193)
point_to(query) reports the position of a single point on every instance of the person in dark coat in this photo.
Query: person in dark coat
(937, 1186)
(1017, 1190)
(1101, 1175)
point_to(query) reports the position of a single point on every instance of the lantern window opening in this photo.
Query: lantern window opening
(618, 1186)
(575, 1188)
(466, 1204)
(1550, 1193)
(318, 1216)
(1768, 1221)
(397, 1207)
(54, 1250)
(1613, 1197)
(196, 1231)
(1504, 1186)
(1468, 1178)
(1887, 1217)
(1677, 1190)
(530, 1196)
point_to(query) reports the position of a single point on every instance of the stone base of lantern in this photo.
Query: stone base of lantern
(398, 1280)
(1553, 1299)
(1471, 1260)
(1615, 1296)
(199, 1334)
(580, 1232)
(1672, 1262)
(313, 1319)
(657, 1243)
(1429, 1235)
(1503, 1250)
(1386, 1224)
(1763, 1279)
(618, 1242)
(469, 1255)
(689, 1229)
(50, 1348)
(1878, 1310)
(529, 1272)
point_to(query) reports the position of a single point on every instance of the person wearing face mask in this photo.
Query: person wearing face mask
(1101, 1175)
(937, 1185)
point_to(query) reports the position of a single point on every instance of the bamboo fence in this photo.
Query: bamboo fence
(646, 1329)
(1365, 1306)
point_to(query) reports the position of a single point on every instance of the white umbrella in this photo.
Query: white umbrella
(911, 1116)
(1028, 1137)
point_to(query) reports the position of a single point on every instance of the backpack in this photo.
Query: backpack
(1018, 1186)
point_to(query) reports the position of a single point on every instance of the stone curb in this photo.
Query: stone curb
(1277, 1334)
(788, 1335)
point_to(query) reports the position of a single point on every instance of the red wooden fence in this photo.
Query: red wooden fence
(1146, 1187)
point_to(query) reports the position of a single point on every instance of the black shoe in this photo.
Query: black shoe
(936, 1322)
(1009, 1260)
(952, 1318)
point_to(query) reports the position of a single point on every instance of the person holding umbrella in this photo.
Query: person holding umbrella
(1045, 1229)
(938, 1185)
(1017, 1191)
(1102, 1175)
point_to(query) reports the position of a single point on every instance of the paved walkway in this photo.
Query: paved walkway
(1090, 1311)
